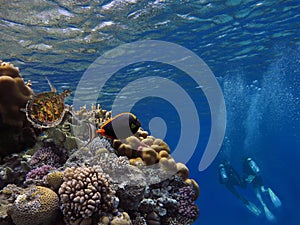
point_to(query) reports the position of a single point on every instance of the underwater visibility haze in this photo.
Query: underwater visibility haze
(249, 49)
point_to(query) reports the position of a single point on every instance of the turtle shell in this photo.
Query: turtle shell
(46, 109)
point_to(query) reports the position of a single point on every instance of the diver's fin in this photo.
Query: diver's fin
(253, 208)
(268, 213)
(276, 201)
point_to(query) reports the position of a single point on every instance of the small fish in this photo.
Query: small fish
(121, 126)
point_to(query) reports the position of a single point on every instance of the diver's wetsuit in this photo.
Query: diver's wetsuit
(230, 178)
(252, 175)
(251, 169)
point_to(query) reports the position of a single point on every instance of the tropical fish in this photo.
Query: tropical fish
(121, 126)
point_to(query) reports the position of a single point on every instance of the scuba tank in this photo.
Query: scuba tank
(223, 174)
(253, 167)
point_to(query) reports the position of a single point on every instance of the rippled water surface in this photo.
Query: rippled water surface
(64, 37)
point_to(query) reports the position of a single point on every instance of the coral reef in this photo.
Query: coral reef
(14, 94)
(7, 198)
(49, 154)
(54, 180)
(35, 176)
(36, 205)
(142, 147)
(15, 131)
(171, 198)
(96, 115)
(62, 138)
(187, 207)
(86, 191)
(69, 176)
(121, 219)
(13, 169)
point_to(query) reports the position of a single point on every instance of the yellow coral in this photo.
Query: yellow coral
(163, 154)
(122, 219)
(125, 150)
(183, 171)
(137, 162)
(149, 155)
(168, 164)
(55, 179)
(37, 205)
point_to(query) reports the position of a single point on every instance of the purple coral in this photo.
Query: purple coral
(49, 154)
(39, 173)
(187, 207)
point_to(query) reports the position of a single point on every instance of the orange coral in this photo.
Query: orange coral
(14, 94)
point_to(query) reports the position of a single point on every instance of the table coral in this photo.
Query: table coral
(86, 191)
(36, 205)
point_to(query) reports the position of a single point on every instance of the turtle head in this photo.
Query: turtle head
(66, 93)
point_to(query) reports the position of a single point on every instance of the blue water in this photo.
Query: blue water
(252, 48)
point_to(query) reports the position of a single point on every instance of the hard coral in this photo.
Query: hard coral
(54, 179)
(86, 191)
(37, 205)
(187, 207)
(13, 170)
(49, 154)
(14, 94)
(40, 172)
(121, 219)
(15, 132)
(127, 180)
(147, 148)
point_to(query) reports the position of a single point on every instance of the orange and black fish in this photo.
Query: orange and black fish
(121, 126)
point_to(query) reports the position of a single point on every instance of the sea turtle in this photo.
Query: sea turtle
(46, 109)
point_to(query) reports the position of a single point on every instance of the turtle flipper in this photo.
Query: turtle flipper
(53, 89)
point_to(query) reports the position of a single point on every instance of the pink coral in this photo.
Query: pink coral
(39, 173)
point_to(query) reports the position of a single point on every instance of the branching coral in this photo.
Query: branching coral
(187, 207)
(37, 205)
(39, 172)
(49, 154)
(86, 191)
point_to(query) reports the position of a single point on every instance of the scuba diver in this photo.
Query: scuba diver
(252, 175)
(230, 178)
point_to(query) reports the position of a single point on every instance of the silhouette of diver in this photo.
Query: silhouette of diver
(252, 175)
(230, 178)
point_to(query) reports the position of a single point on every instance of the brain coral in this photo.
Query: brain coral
(14, 94)
(84, 192)
(37, 205)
